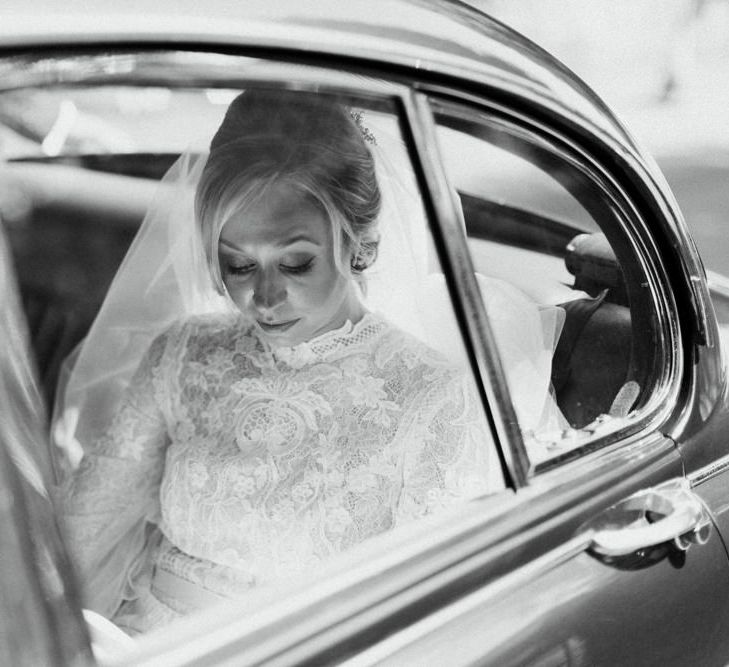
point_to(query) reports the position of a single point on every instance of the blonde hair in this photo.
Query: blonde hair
(307, 141)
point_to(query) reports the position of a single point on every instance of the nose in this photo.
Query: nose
(269, 289)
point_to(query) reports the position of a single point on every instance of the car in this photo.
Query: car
(607, 543)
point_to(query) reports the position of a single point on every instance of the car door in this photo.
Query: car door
(597, 573)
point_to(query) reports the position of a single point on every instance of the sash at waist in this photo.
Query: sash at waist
(181, 594)
(186, 583)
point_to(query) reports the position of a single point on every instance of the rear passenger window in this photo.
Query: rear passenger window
(544, 231)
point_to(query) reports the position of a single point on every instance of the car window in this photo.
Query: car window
(348, 430)
(82, 164)
(545, 231)
(69, 122)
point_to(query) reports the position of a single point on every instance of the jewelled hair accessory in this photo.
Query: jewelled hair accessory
(358, 118)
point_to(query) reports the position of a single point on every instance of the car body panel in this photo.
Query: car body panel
(569, 610)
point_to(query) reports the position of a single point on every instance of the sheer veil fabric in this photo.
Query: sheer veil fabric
(163, 278)
(164, 291)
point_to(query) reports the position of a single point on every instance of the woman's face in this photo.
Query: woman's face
(277, 263)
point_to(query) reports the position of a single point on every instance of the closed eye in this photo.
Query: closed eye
(298, 268)
(239, 269)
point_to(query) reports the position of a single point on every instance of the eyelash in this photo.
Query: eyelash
(234, 270)
(299, 268)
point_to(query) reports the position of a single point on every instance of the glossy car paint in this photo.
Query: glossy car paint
(528, 591)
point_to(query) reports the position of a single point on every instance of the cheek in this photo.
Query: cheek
(330, 281)
(238, 293)
(306, 294)
(327, 290)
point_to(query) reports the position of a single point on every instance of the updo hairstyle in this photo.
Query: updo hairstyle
(304, 140)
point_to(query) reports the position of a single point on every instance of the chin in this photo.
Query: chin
(287, 338)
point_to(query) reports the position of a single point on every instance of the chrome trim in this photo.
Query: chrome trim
(181, 69)
(631, 451)
(645, 168)
(684, 520)
(458, 258)
(713, 469)
(481, 598)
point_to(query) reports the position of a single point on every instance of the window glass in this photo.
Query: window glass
(109, 120)
(564, 289)
(274, 373)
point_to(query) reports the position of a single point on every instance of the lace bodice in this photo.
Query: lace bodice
(264, 462)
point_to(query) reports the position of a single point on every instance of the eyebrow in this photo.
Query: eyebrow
(299, 238)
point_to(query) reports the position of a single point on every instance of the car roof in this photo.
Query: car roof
(442, 37)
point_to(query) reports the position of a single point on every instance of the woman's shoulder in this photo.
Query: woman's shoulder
(203, 330)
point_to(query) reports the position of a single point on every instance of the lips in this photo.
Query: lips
(276, 327)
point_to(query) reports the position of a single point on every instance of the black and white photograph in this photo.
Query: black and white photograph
(364, 332)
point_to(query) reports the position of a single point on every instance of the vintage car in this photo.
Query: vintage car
(607, 544)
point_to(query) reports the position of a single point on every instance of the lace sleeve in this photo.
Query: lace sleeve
(454, 458)
(110, 503)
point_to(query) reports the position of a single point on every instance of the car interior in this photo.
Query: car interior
(592, 360)
(552, 220)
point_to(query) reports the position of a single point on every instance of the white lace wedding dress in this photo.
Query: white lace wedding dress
(249, 463)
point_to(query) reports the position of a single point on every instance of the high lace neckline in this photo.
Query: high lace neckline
(322, 346)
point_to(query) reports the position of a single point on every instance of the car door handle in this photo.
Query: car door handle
(670, 512)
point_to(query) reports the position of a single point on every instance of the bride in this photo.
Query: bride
(272, 418)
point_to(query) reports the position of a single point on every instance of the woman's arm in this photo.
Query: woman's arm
(110, 503)
(454, 457)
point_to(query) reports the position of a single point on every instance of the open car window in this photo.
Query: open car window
(539, 218)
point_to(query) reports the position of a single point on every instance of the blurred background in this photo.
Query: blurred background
(663, 66)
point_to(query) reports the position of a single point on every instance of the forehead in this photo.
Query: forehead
(281, 216)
